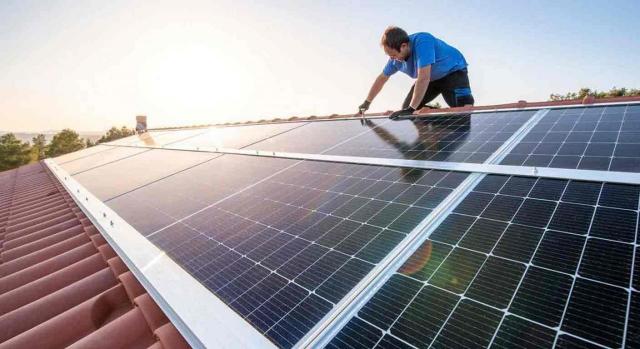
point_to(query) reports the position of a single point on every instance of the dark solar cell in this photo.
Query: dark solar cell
(458, 270)
(409, 219)
(491, 183)
(582, 192)
(597, 312)
(411, 194)
(356, 334)
(515, 332)
(502, 208)
(636, 270)
(471, 324)
(344, 279)
(452, 228)
(607, 261)
(518, 243)
(496, 282)
(380, 246)
(483, 235)
(633, 327)
(427, 313)
(452, 180)
(433, 197)
(518, 186)
(542, 296)
(389, 302)
(548, 189)
(387, 215)
(358, 239)
(559, 251)
(536, 213)
(431, 177)
(321, 270)
(474, 203)
(599, 163)
(620, 196)
(572, 218)
(299, 321)
(615, 224)
(323, 225)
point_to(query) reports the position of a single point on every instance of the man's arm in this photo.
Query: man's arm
(422, 83)
(419, 89)
(377, 87)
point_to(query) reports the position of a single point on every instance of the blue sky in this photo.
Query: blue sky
(93, 64)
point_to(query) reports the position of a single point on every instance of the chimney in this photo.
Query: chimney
(141, 123)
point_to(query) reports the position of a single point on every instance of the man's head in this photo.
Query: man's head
(395, 43)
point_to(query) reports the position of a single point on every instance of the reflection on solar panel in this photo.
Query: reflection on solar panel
(463, 138)
(99, 158)
(283, 252)
(160, 203)
(516, 260)
(236, 136)
(158, 138)
(594, 138)
(130, 172)
(358, 252)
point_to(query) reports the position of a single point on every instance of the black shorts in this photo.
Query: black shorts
(454, 89)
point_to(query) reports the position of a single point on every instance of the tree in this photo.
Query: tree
(116, 133)
(13, 153)
(89, 143)
(38, 147)
(65, 141)
(584, 92)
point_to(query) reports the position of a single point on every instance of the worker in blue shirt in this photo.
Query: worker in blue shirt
(437, 67)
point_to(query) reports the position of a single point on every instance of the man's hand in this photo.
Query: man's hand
(364, 107)
(402, 112)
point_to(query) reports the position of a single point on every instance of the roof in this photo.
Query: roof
(61, 284)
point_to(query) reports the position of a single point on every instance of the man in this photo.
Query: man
(437, 67)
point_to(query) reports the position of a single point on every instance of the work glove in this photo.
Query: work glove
(364, 107)
(406, 111)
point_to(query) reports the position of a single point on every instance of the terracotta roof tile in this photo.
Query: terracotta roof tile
(61, 284)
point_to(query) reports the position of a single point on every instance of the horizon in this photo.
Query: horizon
(93, 65)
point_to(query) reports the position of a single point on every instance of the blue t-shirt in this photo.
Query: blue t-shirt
(427, 49)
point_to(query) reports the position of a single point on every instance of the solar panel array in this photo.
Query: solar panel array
(460, 137)
(597, 138)
(519, 262)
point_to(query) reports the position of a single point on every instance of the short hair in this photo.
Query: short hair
(394, 37)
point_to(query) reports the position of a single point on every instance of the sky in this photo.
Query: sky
(90, 65)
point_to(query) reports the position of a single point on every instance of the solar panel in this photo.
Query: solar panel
(520, 262)
(590, 138)
(160, 203)
(81, 153)
(285, 249)
(463, 138)
(236, 136)
(98, 158)
(128, 173)
(159, 138)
